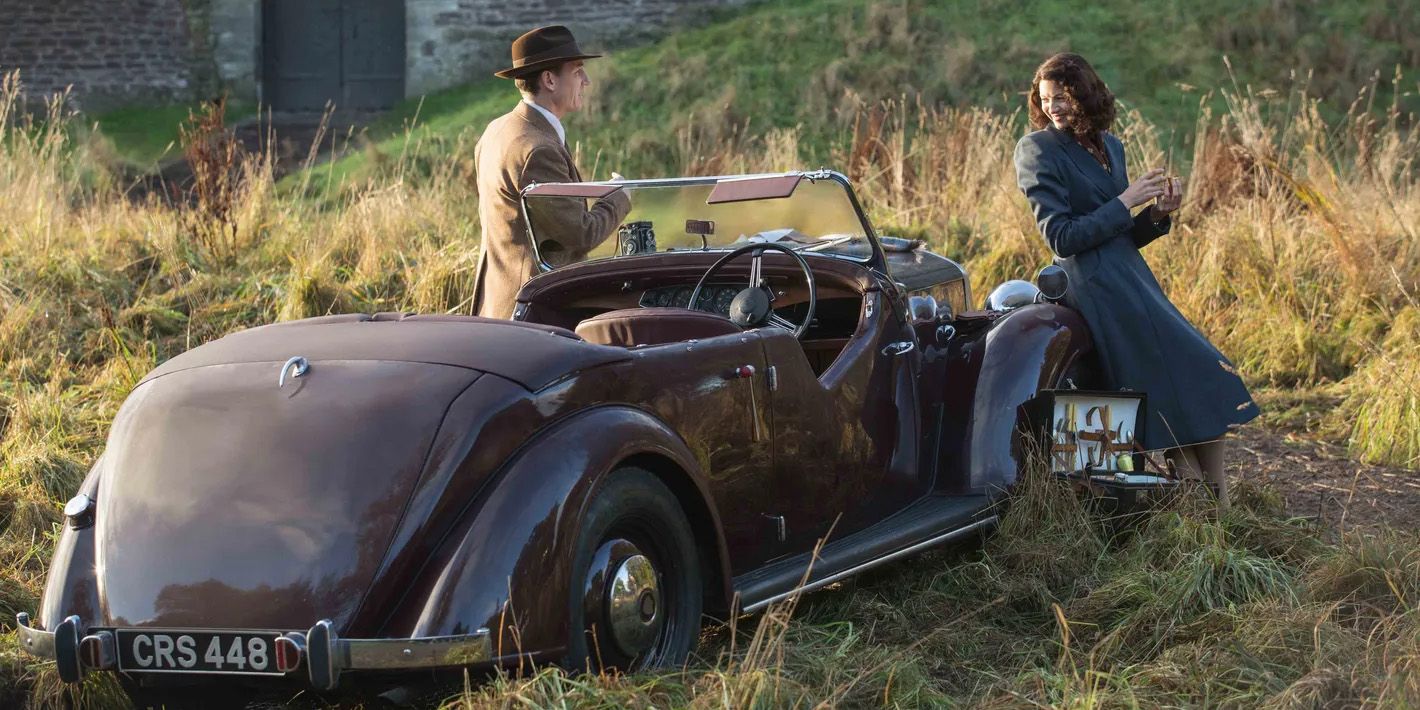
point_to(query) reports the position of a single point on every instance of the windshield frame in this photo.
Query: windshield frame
(876, 261)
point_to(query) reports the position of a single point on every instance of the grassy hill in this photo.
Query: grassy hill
(812, 65)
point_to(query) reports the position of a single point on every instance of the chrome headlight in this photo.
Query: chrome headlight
(1012, 294)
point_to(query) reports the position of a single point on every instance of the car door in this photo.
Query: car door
(714, 393)
(846, 442)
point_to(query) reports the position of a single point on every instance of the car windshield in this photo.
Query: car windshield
(811, 212)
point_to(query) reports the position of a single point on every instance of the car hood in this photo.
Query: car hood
(230, 501)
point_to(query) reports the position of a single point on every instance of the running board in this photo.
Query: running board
(928, 523)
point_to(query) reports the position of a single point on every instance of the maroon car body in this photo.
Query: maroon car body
(397, 492)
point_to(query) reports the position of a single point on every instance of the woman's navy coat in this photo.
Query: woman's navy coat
(1143, 342)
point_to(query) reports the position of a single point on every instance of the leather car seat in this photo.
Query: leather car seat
(630, 327)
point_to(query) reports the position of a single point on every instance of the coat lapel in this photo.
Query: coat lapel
(1102, 180)
(1119, 174)
(540, 122)
(536, 120)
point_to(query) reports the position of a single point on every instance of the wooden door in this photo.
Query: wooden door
(349, 53)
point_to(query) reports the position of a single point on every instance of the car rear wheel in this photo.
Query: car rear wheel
(636, 595)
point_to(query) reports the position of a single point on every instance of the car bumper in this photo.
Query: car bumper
(325, 655)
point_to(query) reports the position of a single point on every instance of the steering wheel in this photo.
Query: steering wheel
(752, 306)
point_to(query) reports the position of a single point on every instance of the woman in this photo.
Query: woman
(1072, 172)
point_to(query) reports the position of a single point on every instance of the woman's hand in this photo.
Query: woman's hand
(1169, 201)
(1145, 188)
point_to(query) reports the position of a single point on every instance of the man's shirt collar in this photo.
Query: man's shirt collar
(551, 118)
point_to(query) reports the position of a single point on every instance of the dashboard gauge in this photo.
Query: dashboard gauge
(713, 299)
(723, 299)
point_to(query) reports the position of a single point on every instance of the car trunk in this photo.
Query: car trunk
(231, 502)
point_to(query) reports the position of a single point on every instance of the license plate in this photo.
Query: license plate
(194, 651)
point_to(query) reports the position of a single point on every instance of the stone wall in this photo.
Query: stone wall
(110, 51)
(235, 27)
(455, 41)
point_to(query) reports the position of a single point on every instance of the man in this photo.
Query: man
(528, 145)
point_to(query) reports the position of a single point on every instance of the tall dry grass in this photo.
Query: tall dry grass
(1186, 608)
(1296, 253)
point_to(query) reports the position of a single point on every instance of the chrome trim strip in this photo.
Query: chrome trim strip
(35, 641)
(428, 652)
(820, 583)
(328, 655)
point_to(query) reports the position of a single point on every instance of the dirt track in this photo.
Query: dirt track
(1320, 482)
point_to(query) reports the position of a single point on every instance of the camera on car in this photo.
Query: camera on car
(636, 238)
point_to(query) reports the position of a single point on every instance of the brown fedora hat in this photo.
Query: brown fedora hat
(542, 48)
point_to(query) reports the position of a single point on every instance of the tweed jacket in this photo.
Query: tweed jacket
(517, 149)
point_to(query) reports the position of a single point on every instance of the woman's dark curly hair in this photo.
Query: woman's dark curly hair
(1091, 100)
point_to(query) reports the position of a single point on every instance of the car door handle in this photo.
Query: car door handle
(747, 372)
(901, 347)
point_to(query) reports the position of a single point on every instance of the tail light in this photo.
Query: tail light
(289, 650)
(97, 651)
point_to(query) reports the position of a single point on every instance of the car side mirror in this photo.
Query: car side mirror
(1053, 282)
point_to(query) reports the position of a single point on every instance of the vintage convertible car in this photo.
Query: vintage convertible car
(667, 428)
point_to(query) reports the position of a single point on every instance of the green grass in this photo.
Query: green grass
(434, 125)
(143, 136)
(813, 64)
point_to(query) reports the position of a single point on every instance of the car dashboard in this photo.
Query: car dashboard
(713, 298)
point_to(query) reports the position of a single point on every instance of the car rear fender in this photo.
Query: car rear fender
(72, 585)
(1025, 351)
(508, 566)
